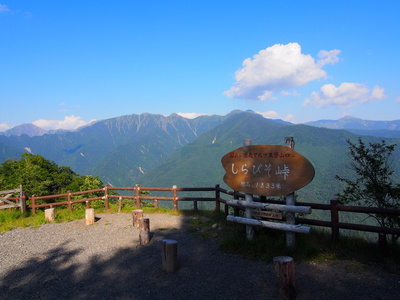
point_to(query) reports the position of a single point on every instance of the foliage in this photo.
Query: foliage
(40, 177)
(373, 185)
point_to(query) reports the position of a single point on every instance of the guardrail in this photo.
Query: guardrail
(334, 208)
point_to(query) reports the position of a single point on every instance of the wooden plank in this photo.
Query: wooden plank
(8, 206)
(287, 208)
(10, 191)
(266, 214)
(9, 202)
(273, 225)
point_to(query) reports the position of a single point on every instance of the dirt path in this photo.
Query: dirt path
(105, 261)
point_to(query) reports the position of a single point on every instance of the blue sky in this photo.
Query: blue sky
(66, 63)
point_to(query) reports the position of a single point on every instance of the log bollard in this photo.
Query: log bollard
(89, 216)
(49, 214)
(137, 214)
(144, 231)
(169, 255)
(284, 270)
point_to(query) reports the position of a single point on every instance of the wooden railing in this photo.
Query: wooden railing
(333, 207)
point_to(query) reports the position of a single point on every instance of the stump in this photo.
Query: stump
(89, 216)
(144, 231)
(49, 214)
(169, 255)
(137, 214)
(284, 270)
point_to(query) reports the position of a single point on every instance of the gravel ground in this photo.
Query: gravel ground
(105, 261)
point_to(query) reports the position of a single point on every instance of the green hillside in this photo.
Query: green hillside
(198, 163)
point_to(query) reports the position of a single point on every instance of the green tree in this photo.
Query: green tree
(39, 176)
(373, 185)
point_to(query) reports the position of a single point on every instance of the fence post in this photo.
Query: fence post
(217, 196)
(144, 231)
(195, 206)
(137, 195)
(290, 200)
(69, 202)
(33, 205)
(49, 215)
(23, 202)
(334, 220)
(106, 196)
(175, 196)
(236, 209)
(119, 204)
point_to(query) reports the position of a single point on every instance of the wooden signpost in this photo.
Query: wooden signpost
(268, 170)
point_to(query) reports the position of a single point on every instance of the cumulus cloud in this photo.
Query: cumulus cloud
(276, 68)
(191, 115)
(4, 126)
(274, 115)
(269, 114)
(328, 57)
(3, 8)
(69, 123)
(346, 95)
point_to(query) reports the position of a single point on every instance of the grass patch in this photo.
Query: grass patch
(268, 243)
(14, 218)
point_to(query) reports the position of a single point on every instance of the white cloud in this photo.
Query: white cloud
(328, 57)
(69, 123)
(4, 126)
(274, 115)
(289, 118)
(346, 95)
(286, 93)
(278, 68)
(3, 8)
(397, 100)
(269, 114)
(191, 115)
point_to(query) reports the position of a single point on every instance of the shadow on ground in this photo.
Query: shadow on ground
(204, 273)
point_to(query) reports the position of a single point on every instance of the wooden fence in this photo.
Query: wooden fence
(333, 207)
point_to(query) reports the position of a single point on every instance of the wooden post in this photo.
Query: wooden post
(33, 205)
(89, 216)
(175, 196)
(119, 204)
(137, 195)
(169, 255)
(23, 202)
(248, 198)
(144, 231)
(236, 209)
(334, 220)
(290, 200)
(195, 206)
(69, 201)
(217, 196)
(284, 270)
(87, 204)
(137, 214)
(49, 214)
(106, 204)
(155, 204)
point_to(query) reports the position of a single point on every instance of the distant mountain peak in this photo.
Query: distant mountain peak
(29, 129)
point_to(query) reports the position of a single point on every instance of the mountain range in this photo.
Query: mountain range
(156, 150)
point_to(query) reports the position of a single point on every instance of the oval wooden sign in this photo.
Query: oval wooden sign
(267, 170)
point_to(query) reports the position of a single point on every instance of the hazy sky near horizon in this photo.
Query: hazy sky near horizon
(66, 63)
